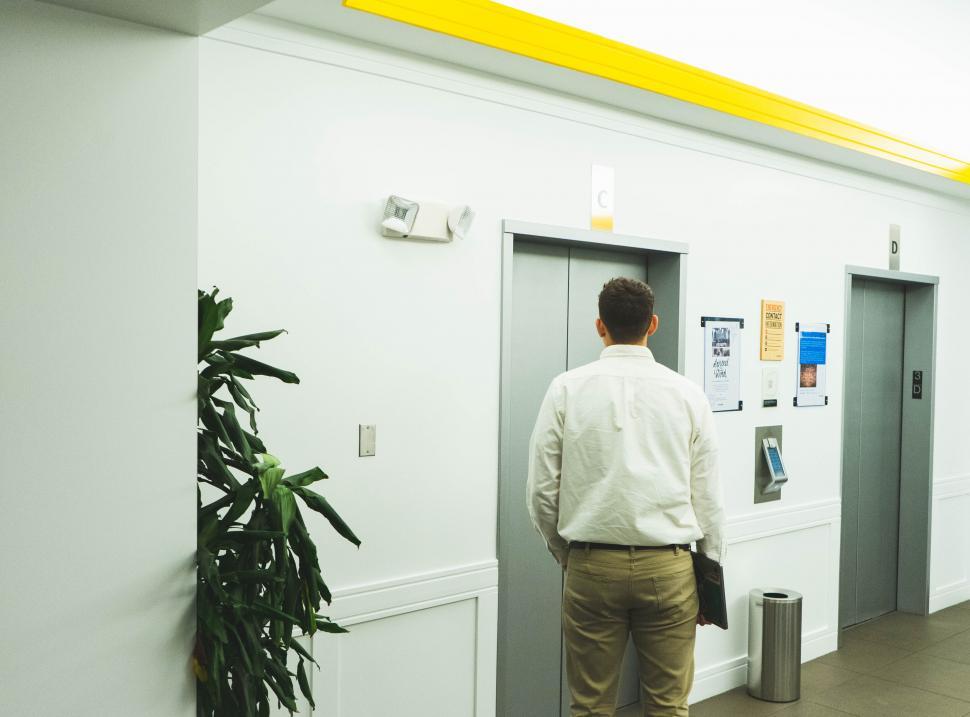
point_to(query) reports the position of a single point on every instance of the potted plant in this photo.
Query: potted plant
(259, 578)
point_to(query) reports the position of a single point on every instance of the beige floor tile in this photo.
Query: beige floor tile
(818, 676)
(934, 674)
(736, 703)
(873, 697)
(906, 632)
(859, 655)
(803, 708)
(955, 648)
(956, 616)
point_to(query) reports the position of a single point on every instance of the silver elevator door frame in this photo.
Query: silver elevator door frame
(887, 439)
(555, 274)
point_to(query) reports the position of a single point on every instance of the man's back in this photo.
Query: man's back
(630, 427)
(638, 455)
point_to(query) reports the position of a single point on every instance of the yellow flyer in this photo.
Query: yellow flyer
(772, 330)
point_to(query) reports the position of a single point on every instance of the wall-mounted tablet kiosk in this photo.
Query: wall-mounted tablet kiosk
(770, 472)
(776, 466)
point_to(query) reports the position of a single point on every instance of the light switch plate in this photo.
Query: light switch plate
(769, 386)
(367, 440)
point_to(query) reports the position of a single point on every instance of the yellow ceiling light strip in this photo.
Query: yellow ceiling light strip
(504, 28)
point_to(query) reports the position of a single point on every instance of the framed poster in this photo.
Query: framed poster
(722, 362)
(812, 364)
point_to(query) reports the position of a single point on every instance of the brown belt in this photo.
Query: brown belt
(611, 546)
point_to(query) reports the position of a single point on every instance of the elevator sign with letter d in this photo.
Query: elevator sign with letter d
(894, 247)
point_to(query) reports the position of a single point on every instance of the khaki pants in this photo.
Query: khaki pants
(610, 594)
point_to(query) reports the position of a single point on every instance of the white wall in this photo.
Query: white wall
(302, 136)
(98, 130)
(893, 64)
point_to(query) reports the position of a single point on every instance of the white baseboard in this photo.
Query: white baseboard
(950, 595)
(729, 674)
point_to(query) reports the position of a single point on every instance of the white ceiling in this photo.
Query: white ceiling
(899, 65)
(192, 17)
(332, 16)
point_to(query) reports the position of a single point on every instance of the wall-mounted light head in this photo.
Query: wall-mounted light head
(460, 221)
(399, 216)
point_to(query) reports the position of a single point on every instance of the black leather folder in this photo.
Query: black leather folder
(710, 589)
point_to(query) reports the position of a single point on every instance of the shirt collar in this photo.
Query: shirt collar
(618, 350)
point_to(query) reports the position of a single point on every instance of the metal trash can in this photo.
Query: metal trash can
(774, 644)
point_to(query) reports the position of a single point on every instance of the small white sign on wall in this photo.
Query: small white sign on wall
(894, 247)
(601, 198)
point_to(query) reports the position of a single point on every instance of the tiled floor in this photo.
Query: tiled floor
(896, 666)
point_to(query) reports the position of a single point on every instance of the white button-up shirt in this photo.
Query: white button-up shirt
(624, 452)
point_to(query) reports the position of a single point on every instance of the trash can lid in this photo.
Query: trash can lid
(776, 594)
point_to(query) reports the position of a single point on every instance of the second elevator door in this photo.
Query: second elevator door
(554, 295)
(871, 451)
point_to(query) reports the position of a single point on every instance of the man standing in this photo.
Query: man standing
(622, 478)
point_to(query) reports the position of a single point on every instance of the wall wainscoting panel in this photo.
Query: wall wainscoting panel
(951, 543)
(795, 548)
(436, 629)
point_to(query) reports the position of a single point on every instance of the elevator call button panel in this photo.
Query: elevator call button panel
(776, 466)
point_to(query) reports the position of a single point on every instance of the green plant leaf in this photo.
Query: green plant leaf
(301, 677)
(269, 479)
(241, 501)
(317, 502)
(255, 442)
(241, 401)
(234, 344)
(272, 613)
(252, 576)
(210, 419)
(322, 587)
(208, 320)
(279, 688)
(305, 478)
(236, 434)
(216, 468)
(287, 504)
(260, 336)
(326, 625)
(208, 527)
(245, 393)
(247, 535)
(258, 368)
(267, 460)
(300, 650)
(222, 311)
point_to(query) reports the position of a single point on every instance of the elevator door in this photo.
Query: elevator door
(871, 451)
(553, 309)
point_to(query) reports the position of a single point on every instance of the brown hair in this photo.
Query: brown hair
(626, 307)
